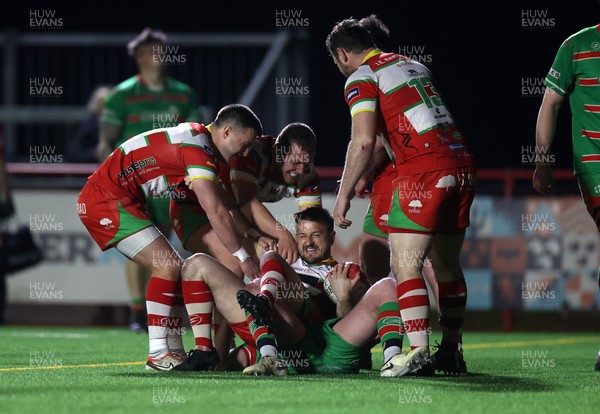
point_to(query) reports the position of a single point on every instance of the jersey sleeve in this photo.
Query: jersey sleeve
(199, 160)
(309, 194)
(560, 76)
(245, 169)
(114, 109)
(361, 91)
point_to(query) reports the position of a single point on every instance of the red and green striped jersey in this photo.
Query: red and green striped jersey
(136, 108)
(154, 164)
(576, 73)
(419, 131)
(260, 168)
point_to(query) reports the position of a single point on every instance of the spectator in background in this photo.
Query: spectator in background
(146, 101)
(82, 146)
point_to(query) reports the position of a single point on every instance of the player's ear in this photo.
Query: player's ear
(332, 238)
(226, 131)
(342, 55)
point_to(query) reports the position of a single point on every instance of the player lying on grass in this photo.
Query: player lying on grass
(297, 290)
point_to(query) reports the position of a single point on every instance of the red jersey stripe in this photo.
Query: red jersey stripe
(590, 158)
(592, 108)
(588, 81)
(586, 55)
(590, 134)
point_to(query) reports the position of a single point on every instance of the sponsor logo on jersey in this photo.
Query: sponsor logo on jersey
(136, 166)
(209, 150)
(555, 73)
(352, 93)
(456, 147)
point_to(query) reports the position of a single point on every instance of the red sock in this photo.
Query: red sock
(414, 308)
(272, 278)
(199, 304)
(160, 298)
(453, 299)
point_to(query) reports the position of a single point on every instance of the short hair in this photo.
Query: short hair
(240, 116)
(349, 35)
(148, 36)
(317, 214)
(299, 134)
(378, 30)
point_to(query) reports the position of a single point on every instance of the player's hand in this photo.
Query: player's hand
(287, 247)
(543, 179)
(188, 182)
(341, 284)
(361, 188)
(267, 243)
(250, 267)
(342, 205)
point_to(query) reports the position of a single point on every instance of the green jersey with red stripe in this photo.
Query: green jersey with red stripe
(575, 73)
(136, 108)
(154, 164)
(419, 131)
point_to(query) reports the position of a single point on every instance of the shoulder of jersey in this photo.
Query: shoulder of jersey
(126, 86)
(177, 84)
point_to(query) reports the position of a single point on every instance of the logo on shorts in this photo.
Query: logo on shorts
(416, 206)
(597, 189)
(107, 223)
(384, 218)
(447, 181)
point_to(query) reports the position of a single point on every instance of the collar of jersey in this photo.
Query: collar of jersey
(371, 54)
(209, 127)
(141, 82)
(322, 262)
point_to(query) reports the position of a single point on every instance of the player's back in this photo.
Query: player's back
(419, 129)
(153, 163)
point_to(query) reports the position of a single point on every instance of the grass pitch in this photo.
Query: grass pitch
(77, 370)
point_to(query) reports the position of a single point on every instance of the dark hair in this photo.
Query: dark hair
(379, 32)
(299, 134)
(350, 35)
(317, 214)
(148, 36)
(240, 116)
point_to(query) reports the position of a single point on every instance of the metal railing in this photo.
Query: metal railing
(221, 68)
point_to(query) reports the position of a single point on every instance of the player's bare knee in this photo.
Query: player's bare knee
(196, 267)
(383, 291)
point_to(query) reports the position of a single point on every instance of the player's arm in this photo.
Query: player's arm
(214, 203)
(360, 150)
(286, 243)
(109, 135)
(543, 179)
(378, 160)
(111, 124)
